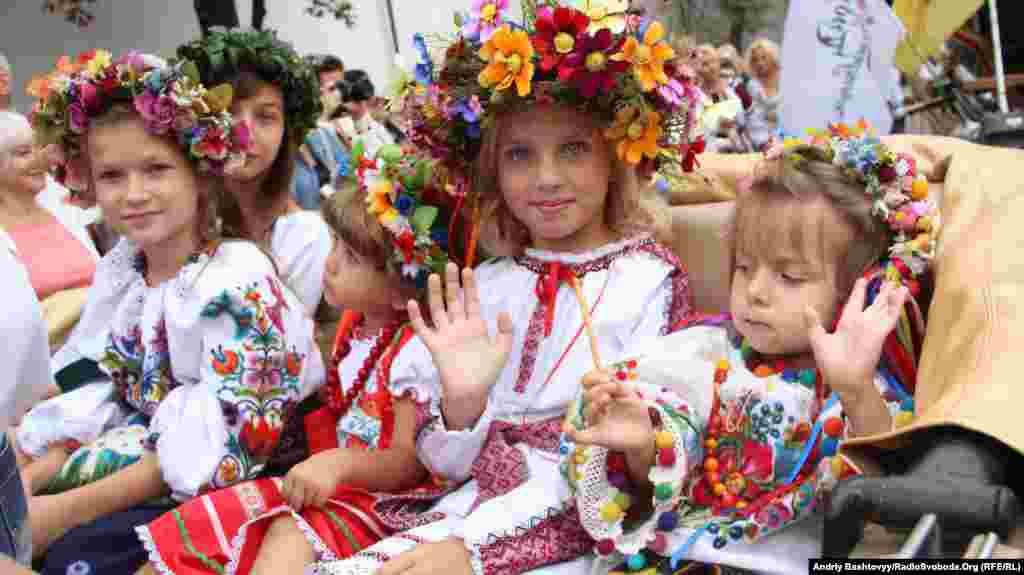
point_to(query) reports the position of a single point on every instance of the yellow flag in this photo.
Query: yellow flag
(928, 23)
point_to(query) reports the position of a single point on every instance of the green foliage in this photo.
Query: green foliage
(221, 55)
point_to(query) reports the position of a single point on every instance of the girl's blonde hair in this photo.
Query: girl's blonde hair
(803, 175)
(729, 53)
(629, 205)
(766, 46)
(346, 215)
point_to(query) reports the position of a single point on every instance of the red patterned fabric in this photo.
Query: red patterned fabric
(209, 522)
(534, 333)
(554, 538)
(501, 467)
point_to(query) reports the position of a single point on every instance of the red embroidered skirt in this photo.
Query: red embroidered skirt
(222, 532)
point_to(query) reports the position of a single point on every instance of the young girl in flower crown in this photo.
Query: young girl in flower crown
(713, 441)
(277, 95)
(191, 350)
(551, 128)
(363, 438)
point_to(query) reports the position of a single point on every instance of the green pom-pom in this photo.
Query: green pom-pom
(663, 491)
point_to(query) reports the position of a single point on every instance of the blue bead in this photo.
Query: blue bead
(789, 375)
(907, 404)
(636, 562)
(829, 447)
(668, 521)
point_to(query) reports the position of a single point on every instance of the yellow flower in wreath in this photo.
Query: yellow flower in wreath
(509, 57)
(378, 196)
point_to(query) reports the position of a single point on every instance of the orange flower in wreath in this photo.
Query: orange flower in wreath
(509, 57)
(648, 59)
(637, 133)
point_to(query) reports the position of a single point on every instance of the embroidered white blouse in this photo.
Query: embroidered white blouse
(211, 359)
(776, 451)
(412, 374)
(301, 242)
(634, 288)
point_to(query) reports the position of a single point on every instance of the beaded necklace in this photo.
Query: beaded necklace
(728, 486)
(729, 489)
(338, 401)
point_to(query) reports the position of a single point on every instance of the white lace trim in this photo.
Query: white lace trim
(154, 555)
(365, 562)
(584, 257)
(238, 541)
(594, 491)
(475, 561)
(119, 268)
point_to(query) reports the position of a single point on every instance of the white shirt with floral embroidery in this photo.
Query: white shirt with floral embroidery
(210, 360)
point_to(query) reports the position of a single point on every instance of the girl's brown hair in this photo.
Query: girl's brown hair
(628, 206)
(279, 178)
(207, 213)
(346, 215)
(804, 175)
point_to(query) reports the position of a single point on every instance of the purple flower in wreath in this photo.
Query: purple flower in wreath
(424, 66)
(158, 112)
(485, 18)
(470, 111)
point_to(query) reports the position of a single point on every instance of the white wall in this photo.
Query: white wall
(33, 40)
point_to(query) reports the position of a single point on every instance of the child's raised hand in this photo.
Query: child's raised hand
(467, 357)
(848, 357)
(616, 417)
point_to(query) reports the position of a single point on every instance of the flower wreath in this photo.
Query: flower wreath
(591, 54)
(405, 191)
(169, 99)
(222, 54)
(899, 194)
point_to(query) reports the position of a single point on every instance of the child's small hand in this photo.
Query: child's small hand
(467, 357)
(616, 417)
(312, 482)
(445, 556)
(848, 357)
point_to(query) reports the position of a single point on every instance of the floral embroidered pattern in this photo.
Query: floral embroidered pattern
(141, 373)
(260, 378)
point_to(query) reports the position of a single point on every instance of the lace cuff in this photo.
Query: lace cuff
(602, 484)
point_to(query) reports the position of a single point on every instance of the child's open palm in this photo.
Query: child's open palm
(848, 357)
(468, 358)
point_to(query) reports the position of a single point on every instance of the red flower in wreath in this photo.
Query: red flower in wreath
(406, 243)
(690, 152)
(557, 34)
(591, 67)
